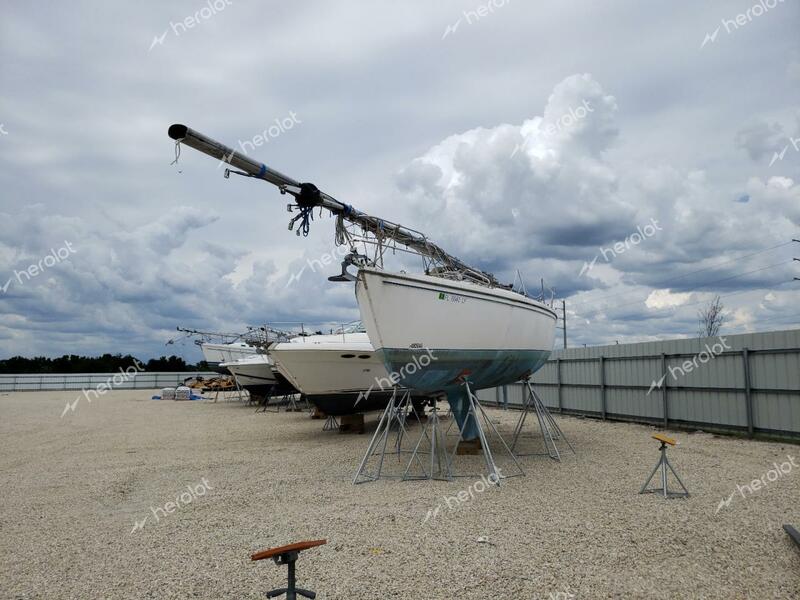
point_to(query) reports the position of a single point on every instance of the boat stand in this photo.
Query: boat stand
(244, 395)
(288, 555)
(264, 406)
(231, 394)
(331, 423)
(292, 405)
(551, 432)
(477, 412)
(664, 464)
(435, 448)
(393, 417)
(793, 534)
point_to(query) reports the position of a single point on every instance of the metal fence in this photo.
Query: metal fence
(79, 381)
(748, 383)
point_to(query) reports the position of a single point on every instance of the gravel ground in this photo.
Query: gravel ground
(74, 487)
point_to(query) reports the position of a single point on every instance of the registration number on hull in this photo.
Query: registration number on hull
(452, 298)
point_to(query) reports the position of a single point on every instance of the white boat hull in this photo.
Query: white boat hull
(252, 371)
(433, 334)
(334, 372)
(216, 354)
(322, 367)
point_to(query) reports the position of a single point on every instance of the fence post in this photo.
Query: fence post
(603, 385)
(558, 380)
(664, 405)
(748, 397)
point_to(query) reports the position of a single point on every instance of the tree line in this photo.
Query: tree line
(107, 363)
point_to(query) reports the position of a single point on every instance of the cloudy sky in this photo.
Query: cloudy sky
(532, 136)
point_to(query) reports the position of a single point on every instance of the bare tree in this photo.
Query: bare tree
(711, 319)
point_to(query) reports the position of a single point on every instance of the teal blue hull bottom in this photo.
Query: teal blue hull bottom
(444, 371)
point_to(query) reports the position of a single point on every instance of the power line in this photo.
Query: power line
(675, 308)
(707, 283)
(779, 318)
(660, 283)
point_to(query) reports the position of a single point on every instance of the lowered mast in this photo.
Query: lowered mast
(308, 196)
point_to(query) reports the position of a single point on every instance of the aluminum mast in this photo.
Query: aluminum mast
(308, 196)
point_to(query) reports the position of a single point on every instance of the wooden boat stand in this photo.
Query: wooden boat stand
(288, 555)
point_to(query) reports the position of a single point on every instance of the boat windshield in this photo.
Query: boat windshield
(354, 327)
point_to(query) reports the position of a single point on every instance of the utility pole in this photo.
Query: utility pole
(797, 259)
(564, 320)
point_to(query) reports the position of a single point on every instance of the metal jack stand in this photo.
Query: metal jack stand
(292, 406)
(547, 424)
(476, 412)
(237, 393)
(287, 555)
(331, 424)
(664, 463)
(229, 394)
(265, 406)
(793, 534)
(395, 413)
(440, 467)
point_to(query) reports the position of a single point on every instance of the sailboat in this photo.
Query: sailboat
(217, 355)
(475, 332)
(218, 348)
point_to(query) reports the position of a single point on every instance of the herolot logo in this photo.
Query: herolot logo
(181, 500)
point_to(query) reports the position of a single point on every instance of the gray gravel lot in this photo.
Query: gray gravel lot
(74, 487)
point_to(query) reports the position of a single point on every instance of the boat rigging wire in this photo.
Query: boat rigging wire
(307, 195)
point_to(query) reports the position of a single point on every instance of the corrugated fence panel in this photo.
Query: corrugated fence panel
(88, 381)
(584, 372)
(635, 371)
(547, 374)
(775, 371)
(705, 382)
(777, 412)
(633, 403)
(549, 396)
(703, 371)
(708, 407)
(583, 399)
